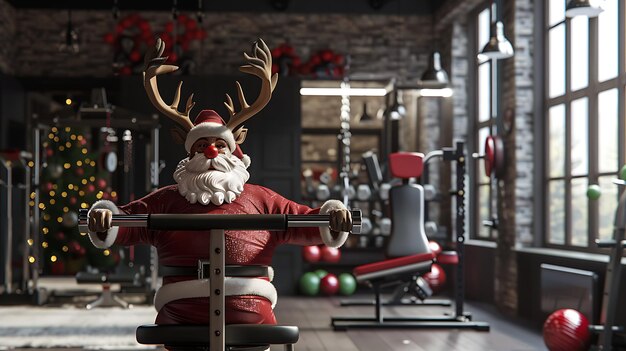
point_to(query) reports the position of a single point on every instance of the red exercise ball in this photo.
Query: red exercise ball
(311, 253)
(330, 254)
(566, 330)
(436, 278)
(329, 285)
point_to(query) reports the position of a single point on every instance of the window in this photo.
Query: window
(584, 119)
(485, 113)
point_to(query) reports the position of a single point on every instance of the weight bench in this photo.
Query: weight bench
(410, 254)
(107, 298)
(216, 335)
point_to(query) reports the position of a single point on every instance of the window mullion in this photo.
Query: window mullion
(594, 89)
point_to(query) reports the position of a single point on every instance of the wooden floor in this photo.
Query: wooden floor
(312, 315)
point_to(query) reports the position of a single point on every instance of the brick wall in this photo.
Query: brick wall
(379, 45)
(515, 195)
(7, 34)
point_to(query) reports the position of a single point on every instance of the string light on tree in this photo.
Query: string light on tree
(69, 182)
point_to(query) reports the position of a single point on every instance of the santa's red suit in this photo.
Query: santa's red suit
(183, 299)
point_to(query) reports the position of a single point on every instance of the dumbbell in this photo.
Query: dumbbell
(363, 192)
(385, 226)
(384, 191)
(430, 193)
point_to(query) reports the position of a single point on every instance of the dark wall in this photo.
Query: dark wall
(480, 279)
(479, 272)
(12, 126)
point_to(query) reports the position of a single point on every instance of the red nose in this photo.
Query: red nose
(211, 152)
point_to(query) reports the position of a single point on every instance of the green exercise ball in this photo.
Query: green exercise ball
(622, 173)
(310, 284)
(321, 273)
(347, 284)
(594, 191)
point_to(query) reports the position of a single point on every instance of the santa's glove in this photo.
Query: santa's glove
(340, 221)
(101, 233)
(100, 220)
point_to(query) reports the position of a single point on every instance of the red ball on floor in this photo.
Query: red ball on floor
(566, 330)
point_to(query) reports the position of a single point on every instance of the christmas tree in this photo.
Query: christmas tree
(71, 179)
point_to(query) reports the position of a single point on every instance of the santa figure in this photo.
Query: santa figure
(213, 180)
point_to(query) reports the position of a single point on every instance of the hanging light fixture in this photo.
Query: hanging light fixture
(70, 37)
(498, 47)
(397, 110)
(365, 117)
(435, 75)
(589, 8)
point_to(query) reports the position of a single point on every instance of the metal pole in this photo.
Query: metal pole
(8, 274)
(27, 233)
(460, 229)
(610, 295)
(36, 220)
(216, 295)
(154, 180)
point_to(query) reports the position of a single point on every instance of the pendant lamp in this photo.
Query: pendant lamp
(435, 75)
(498, 47)
(589, 8)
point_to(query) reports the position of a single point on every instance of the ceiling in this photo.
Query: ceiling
(408, 7)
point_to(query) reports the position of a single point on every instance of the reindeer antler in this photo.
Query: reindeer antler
(259, 65)
(155, 66)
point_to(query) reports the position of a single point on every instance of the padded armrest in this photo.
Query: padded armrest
(99, 278)
(235, 335)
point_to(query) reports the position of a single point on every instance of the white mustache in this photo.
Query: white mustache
(222, 163)
(214, 181)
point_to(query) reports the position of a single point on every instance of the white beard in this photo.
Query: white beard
(223, 183)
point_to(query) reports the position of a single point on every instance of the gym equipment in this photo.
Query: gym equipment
(566, 330)
(611, 293)
(9, 160)
(238, 335)
(97, 117)
(321, 273)
(436, 278)
(329, 285)
(107, 298)
(309, 283)
(494, 157)
(330, 254)
(363, 192)
(494, 161)
(413, 256)
(347, 284)
(430, 228)
(311, 253)
(594, 192)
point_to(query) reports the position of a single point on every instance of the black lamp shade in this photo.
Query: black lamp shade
(589, 8)
(434, 75)
(498, 47)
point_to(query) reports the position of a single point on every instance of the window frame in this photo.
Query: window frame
(476, 171)
(591, 92)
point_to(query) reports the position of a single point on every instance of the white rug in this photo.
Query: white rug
(69, 326)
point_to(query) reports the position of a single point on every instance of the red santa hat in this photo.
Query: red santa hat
(209, 123)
